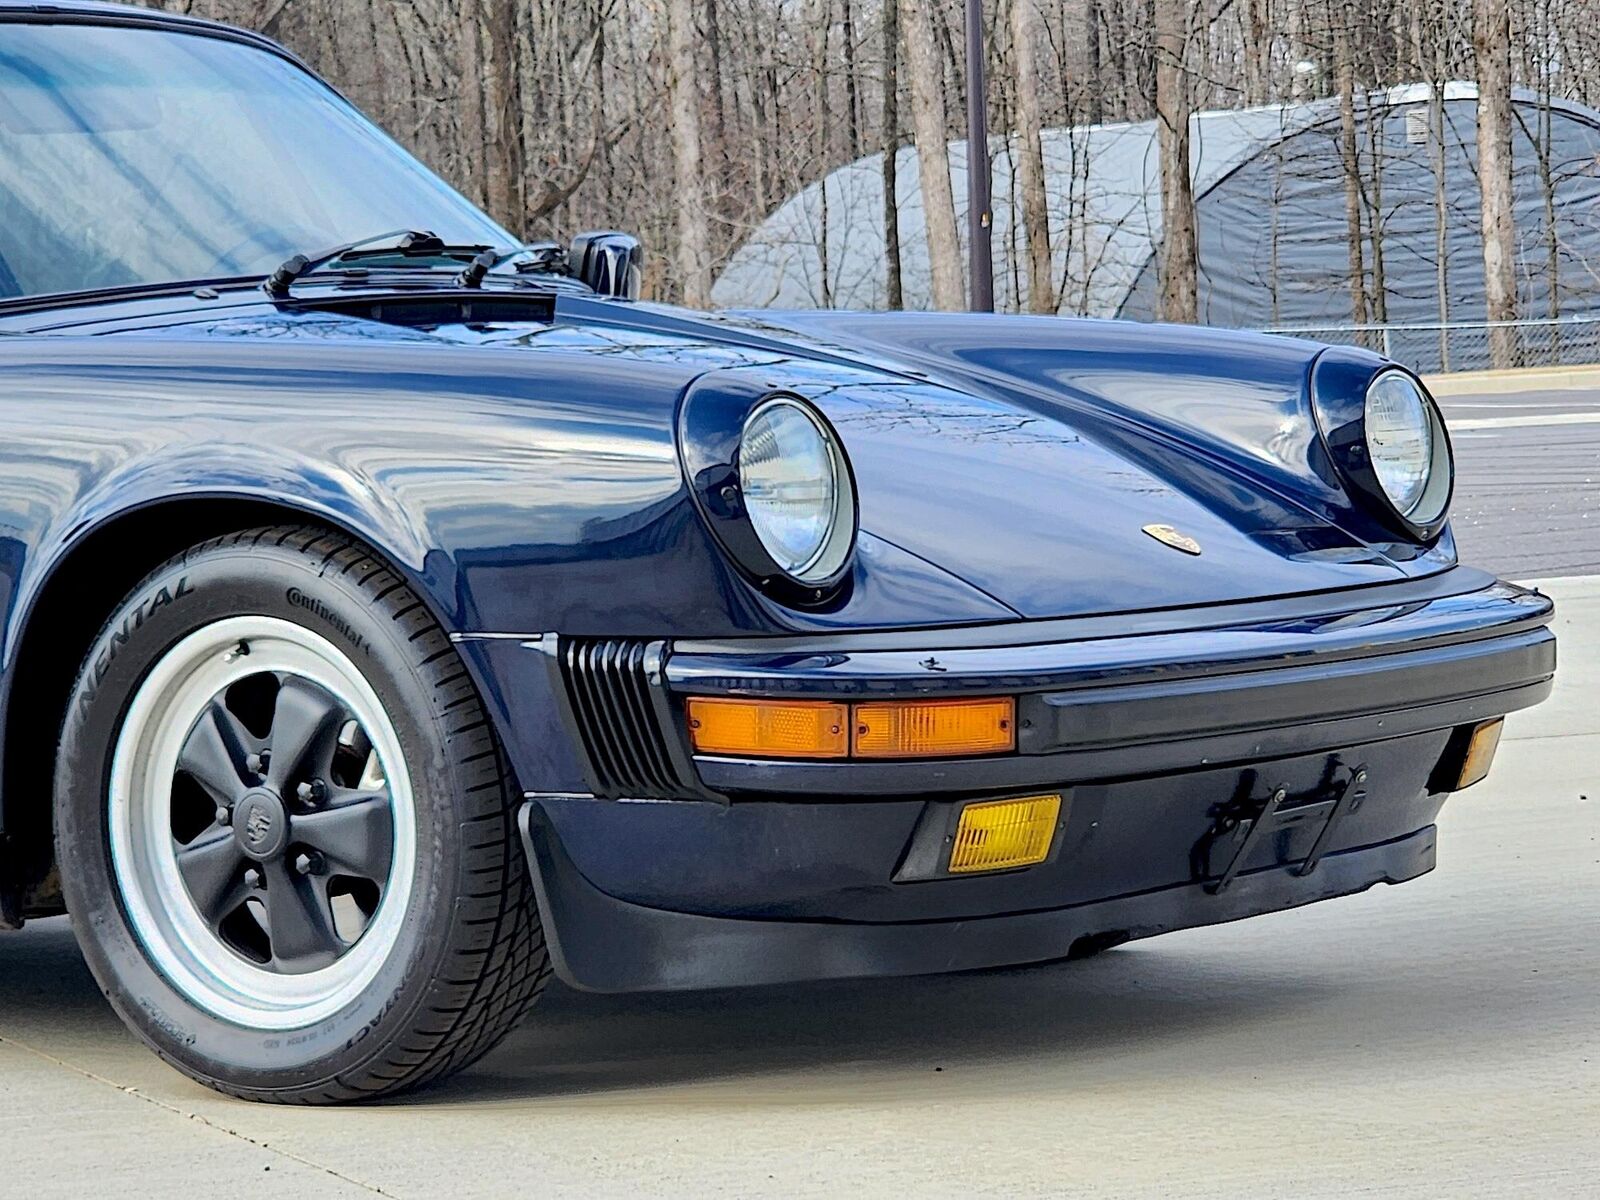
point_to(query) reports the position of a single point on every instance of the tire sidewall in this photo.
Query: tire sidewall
(211, 585)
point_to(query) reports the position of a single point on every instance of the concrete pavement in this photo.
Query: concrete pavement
(1440, 1039)
(1527, 498)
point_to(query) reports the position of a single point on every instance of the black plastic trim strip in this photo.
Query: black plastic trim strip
(814, 782)
(1453, 581)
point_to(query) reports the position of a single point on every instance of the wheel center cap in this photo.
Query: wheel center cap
(261, 824)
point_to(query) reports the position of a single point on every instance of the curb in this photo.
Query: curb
(1478, 383)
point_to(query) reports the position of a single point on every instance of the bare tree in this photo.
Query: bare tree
(891, 150)
(1256, 50)
(1350, 158)
(1179, 250)
(694, 260)
(561, 115)
(1030, 155)
(821, 31)
(505, 177)
(1491, 42)
(926, 65)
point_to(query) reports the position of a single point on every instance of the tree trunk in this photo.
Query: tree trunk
(504, 174)
(1302, 84)
(1257, 50)
(1148, 52)
(1374, 197)
(852, 97)
(1349, 155)
(933, 154)
(1094, 89)
(891, 148)
(1491, 43)
(1441, 214)
(719, 113)
(821, 28)
(474, 118)
(694, 264)
(1113, 61)
(1179, 263)
(1030, 158)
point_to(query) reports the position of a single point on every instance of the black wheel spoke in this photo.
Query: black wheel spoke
(214, 753)
(211, 867)
(300, 922)
(355, 833)
(305, 727)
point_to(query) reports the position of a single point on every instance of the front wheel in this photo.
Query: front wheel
(285, 829)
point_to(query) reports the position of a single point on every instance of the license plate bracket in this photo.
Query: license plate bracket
(1235, 840)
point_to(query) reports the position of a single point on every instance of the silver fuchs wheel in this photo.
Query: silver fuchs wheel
(263, 832)
(286, 830)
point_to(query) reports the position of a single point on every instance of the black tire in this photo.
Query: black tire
(470, 957)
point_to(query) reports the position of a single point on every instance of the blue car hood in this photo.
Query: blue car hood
(1035, 460)
(1038, 458)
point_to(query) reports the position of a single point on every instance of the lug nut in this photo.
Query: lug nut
(314, 792)
(258, 763)
(252, 878)
(308, 863)
(224, 815)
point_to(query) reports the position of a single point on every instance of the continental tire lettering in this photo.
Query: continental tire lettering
(298, 599)
(144, 607)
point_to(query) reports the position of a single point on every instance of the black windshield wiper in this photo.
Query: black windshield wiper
(403, 243)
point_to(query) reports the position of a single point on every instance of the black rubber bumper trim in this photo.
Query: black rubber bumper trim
(1391, 685)
(845, 780)
(601, 944)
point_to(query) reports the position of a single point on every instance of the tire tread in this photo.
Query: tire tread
(496, 963)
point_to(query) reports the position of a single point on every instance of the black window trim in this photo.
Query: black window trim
(136, 18)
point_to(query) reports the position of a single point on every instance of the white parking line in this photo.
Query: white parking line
(1558, 418)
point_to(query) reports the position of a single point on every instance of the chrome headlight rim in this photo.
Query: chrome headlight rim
(1428, 507)
(821, 567)
(713, 419)
(1340, 381)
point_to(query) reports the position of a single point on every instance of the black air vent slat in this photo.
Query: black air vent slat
(652, 750)
(609, 676)
(608, 684)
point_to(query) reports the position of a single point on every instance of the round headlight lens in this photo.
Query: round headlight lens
(1400, 440)
(796, 490)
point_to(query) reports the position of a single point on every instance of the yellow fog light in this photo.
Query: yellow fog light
(935, 728)
(770, 728)
(997, 834)
(1481, 746)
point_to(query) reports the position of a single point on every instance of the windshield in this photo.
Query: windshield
(140, 156)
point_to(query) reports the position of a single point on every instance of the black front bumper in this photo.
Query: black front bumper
(1169, 745)
(1160, 692)
(599, 943)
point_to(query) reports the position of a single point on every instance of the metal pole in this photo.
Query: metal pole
(980, 215)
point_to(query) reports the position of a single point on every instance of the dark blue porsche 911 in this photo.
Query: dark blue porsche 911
(396, 616)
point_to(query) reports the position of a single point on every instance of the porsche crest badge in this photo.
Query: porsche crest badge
(1168, 536)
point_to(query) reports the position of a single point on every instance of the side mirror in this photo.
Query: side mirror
(611, 263)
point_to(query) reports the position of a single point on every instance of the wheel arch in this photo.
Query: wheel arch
(60, 611)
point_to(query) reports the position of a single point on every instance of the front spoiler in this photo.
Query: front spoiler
(627, 947)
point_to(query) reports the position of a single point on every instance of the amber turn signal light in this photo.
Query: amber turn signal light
(935, 728)
(1479, 758)
(769, 728)
(824, 729)
(997, 835)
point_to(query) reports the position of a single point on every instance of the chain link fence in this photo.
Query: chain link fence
(1470, 345)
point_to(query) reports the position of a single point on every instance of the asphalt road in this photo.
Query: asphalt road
(1440, 1038)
